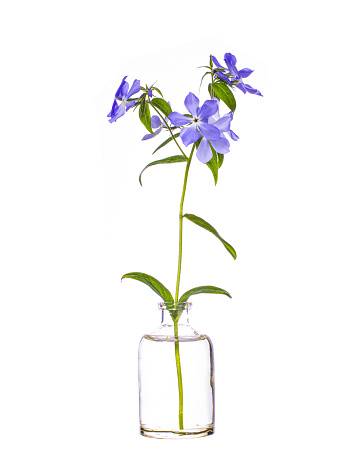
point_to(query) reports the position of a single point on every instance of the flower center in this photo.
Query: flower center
(196, 122)
(121, 102)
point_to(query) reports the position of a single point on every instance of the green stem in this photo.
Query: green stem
(212, 92)
(177, 353)
(181, 224)
(176, 345)
(179, 373)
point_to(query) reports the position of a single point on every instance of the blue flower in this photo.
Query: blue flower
(197, 125)
(223, 124)
(122, 102)
(235, 76)
(156, 124)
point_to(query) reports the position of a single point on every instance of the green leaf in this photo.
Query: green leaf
(204, 289)
(158, 90)
(223, 92)
(220, 159)
(153, 283)
(174, 159)
(142, 103)
(166, 142)
(203, 224)
(144, 115)
(213, 165)
(162, 105)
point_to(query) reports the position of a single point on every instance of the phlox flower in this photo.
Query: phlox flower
(235, 76)
(197, 126)
(122, 102)
(158, 125)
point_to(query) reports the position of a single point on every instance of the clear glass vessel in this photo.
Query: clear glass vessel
(176, 378)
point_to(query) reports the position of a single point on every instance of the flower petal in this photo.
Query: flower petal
(190, 135)
(178, 119)
(204, 152)
(241, 86)
(209, 131)
(216, 62)
(223, 77)
(148, 136)
(223, 124)
(118, 112)
(233, 135)
(231, 61)
(122, 88)
(245, 72)
(135, 88)
(192, 103)
(216, 116)
(208, 109)
(113, 108)
(129, 104)
(155, 121)
(252, 90)
(221, 145)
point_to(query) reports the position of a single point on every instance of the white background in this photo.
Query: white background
(288, 346)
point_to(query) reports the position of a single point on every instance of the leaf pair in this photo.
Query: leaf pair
(165, 294)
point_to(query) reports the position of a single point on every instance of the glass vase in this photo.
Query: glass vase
(176, 378)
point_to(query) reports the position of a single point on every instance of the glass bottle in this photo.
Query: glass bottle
(176, 378)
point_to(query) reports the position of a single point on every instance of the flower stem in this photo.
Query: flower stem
(176, 344)
(179, 373)
(181, 224)
(177, 353)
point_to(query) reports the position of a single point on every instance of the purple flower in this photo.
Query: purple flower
(235, 76)
(122, 102)
(198, 126)
(223, 124)
(156, 124)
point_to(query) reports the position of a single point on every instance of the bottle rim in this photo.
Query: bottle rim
(173, 306)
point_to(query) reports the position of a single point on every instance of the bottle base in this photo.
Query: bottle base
(176, 434)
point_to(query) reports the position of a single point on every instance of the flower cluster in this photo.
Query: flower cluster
(232, 76)
(202, 125)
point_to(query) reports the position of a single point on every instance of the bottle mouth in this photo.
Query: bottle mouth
(180, 306)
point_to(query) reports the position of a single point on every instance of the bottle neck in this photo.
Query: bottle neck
(174, 323)
(172, 314)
